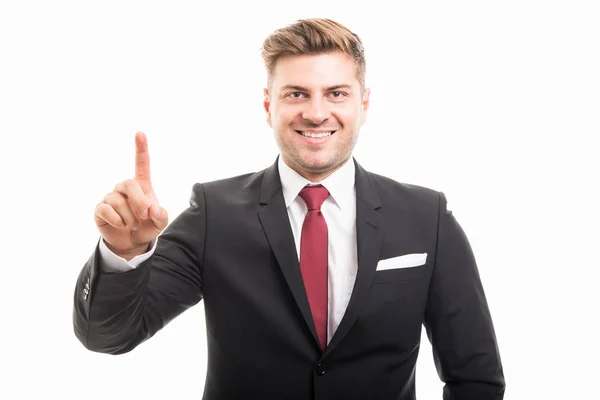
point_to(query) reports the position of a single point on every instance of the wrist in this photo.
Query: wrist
(130, 253)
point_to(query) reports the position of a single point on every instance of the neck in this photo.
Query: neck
(315, 176)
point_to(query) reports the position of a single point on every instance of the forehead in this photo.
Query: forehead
(315, 71)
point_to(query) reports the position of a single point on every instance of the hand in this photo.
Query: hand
(130, 218)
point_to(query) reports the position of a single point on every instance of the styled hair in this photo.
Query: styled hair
(311, 37)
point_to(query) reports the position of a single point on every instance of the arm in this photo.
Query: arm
(119, 310)
(458, 320)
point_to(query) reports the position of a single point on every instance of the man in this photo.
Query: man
(316, 275)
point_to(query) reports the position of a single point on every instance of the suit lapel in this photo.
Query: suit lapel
(276, 224)
(369, 236)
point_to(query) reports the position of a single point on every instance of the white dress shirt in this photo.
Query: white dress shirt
(339, 210)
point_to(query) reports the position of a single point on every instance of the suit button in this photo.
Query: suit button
(321, 369)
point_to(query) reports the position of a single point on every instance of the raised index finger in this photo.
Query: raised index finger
(142, 159)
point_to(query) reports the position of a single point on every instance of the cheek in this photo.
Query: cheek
(283, 117)
(348, 113)
(348, 117)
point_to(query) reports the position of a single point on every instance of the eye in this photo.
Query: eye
(295, 95)
(337, 94)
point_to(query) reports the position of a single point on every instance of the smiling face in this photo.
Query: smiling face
(316, 106)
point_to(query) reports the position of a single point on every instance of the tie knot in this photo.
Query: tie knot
(314, 196)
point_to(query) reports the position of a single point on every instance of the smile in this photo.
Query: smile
(310, 134)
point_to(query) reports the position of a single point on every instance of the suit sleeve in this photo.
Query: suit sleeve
(458, 320)
(115, 312)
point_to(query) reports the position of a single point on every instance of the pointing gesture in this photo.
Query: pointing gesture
(130, 217)
(142, 161)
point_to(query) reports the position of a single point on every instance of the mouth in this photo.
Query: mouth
(316, 135)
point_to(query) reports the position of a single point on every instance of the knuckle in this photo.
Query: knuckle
(119, 187)
(129, 183)
(108, 198)
(115, 199)
(126, 187)
(103, 211)
(99, 210)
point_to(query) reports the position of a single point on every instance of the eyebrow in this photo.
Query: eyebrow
(303, 89)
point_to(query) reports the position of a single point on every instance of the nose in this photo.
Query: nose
(316, 111)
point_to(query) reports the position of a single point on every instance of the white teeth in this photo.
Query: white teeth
(316, 135)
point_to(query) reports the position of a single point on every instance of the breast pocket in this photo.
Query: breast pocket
(400, 268)
(400, 274)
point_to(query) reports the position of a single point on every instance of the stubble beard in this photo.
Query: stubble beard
(314, 164)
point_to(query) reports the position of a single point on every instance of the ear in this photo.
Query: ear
(267, 106)
(365, 105)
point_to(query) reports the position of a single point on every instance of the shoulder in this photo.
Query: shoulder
(240, 186)
(407, 195)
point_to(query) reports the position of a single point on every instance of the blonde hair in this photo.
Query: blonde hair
(310, 37)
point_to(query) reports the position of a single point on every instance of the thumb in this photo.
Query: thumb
(159, 216)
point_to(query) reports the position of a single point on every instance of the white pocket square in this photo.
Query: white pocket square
(405, 261)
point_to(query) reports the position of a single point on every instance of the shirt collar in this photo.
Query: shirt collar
(340, 184)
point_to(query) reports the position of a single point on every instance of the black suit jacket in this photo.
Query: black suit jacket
(234, 248)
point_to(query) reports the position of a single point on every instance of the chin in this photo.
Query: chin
(319, 165)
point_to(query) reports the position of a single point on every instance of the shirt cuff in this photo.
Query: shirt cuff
(111, 262)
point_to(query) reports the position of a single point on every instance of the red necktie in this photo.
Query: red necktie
(313, 257)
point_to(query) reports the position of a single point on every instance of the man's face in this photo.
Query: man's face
(316, 95)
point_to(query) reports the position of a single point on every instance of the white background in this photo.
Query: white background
(497, 104)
